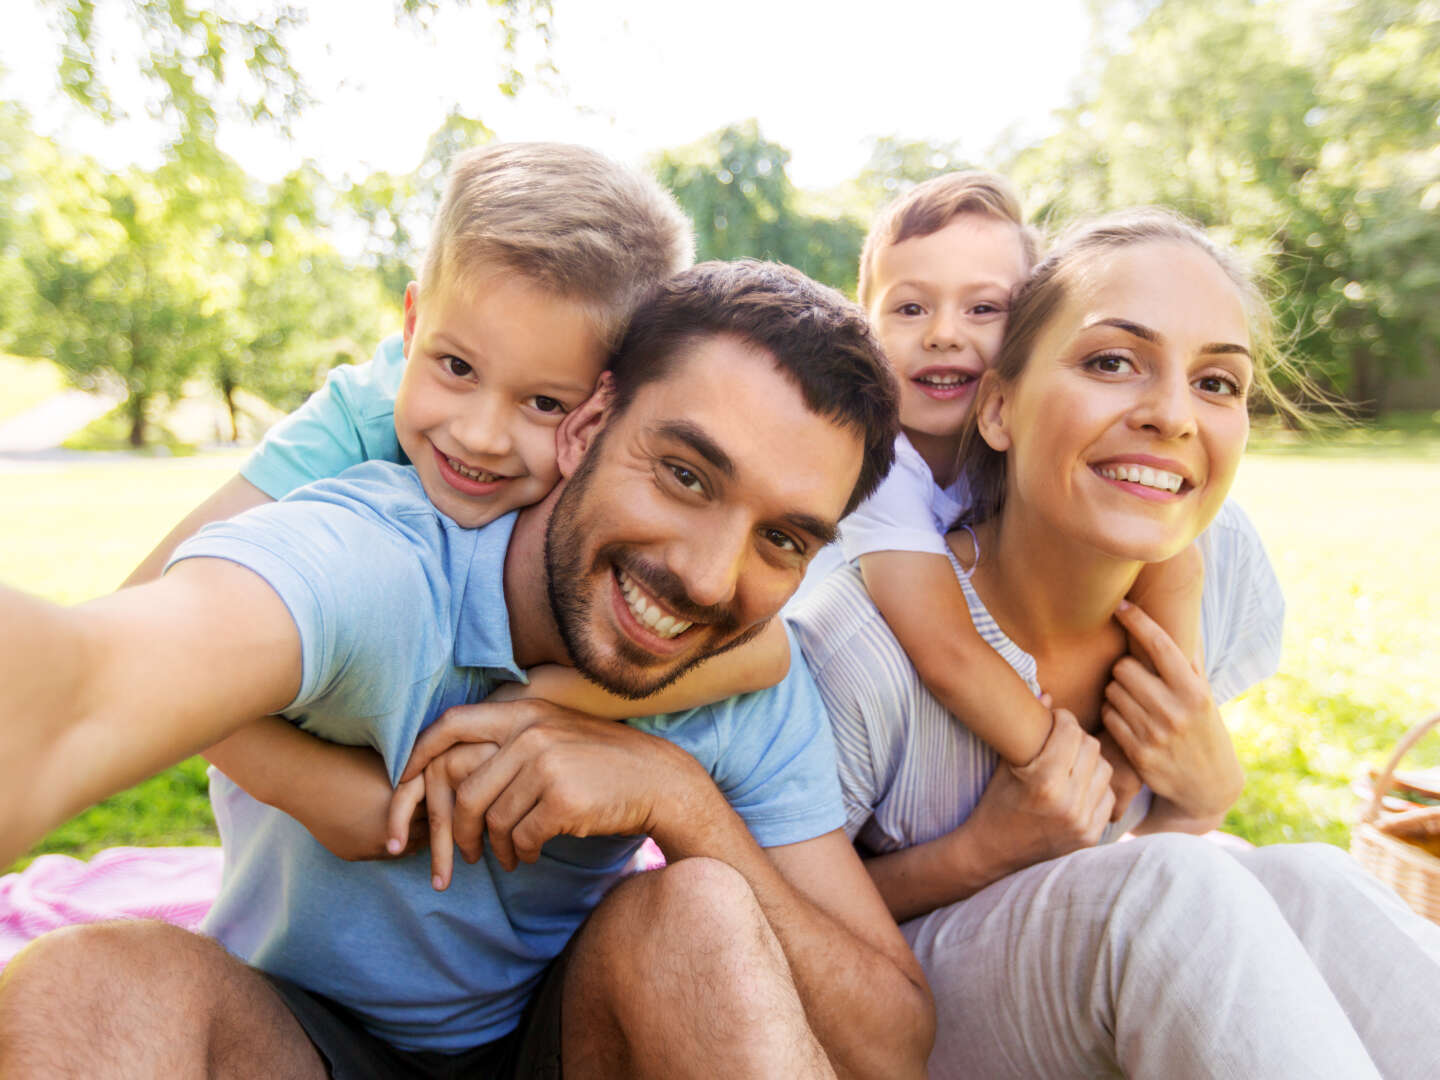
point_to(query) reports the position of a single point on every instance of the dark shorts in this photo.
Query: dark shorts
(530, 1052)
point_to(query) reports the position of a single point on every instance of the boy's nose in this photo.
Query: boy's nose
(943, 332)
(483, 428)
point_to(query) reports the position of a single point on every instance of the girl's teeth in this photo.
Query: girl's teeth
(665, 626)
(1144, 476)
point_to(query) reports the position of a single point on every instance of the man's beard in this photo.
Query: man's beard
(634, 673)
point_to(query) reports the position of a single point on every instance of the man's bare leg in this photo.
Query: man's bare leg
(677, 974)
(143, 999)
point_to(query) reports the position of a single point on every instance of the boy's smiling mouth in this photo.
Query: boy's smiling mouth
(472, 474)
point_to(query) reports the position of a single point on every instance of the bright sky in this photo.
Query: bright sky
(634, 77)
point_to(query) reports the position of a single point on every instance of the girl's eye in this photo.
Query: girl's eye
(548, 405)
(1218, 384)
(987, 308)
(781, 540)
(457, 367)
(1110, 364)
(687, 479)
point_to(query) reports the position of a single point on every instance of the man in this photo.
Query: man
(703, 477)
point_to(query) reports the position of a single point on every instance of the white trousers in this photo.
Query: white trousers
(1168, 956)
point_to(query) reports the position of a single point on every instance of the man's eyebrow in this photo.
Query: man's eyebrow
(1144, 333)
(699, 440)
(824, 531)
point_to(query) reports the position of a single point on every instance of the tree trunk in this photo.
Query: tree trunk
(227, 389)
(135, 406)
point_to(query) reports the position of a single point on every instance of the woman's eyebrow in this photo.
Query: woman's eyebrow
(1144, 333)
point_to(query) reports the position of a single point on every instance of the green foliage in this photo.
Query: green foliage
(1305, 132)
(733, 186)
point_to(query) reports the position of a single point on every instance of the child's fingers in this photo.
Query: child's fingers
(403, 803)
(440, 802)
(1160, 649)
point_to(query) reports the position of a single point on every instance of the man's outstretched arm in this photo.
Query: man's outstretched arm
(96, 697)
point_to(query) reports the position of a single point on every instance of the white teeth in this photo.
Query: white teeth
(474, 474)
(663, 625)
(946, 379)
(1144, 476)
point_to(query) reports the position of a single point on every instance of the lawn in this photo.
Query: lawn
(1352, 529)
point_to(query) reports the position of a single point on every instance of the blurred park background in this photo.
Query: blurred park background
(190, 301)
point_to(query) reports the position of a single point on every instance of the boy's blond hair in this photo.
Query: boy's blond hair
(567, 218)
(930, 206)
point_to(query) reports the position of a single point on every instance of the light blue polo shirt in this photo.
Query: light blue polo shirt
(401, 615)
(348, 420)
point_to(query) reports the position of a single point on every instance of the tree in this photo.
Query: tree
(1305, 133)
(734, 187)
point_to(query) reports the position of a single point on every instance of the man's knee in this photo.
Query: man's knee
(688, 902)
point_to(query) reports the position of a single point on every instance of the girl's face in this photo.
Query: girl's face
(1126, 426)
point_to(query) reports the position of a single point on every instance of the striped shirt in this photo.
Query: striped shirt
(909, 771)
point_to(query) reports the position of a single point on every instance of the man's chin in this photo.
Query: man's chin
(633, 673)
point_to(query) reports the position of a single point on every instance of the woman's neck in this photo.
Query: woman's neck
(1044, 589)
(940, 452)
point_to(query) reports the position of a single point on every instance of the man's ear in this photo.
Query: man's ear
(412, 300)
(583, 424)
(992, 412)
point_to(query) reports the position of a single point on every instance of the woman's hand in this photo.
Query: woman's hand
(1167, 724)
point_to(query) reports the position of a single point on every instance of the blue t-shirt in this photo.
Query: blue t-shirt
(401, 615)
(348, 420)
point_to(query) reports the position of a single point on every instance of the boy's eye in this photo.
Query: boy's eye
(545, 404)
(1217, 384)
(457, 367)
(910, 309)
(1110, 364)
(781, 540)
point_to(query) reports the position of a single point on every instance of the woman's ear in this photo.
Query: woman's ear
(582, 424)
(992, 412)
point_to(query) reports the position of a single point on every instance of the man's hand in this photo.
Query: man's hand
(1057, 803)
(1167, 724)
(525, 771)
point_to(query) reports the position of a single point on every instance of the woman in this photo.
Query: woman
(1107, 437)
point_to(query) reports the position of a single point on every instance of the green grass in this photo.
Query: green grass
(1352, 537)
(26, 384)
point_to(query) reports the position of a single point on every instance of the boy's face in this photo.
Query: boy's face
(490, 371)
(939, 308)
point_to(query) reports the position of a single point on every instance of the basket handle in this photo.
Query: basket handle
(1382, 782)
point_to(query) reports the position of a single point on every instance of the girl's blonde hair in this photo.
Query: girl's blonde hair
(1036, 301)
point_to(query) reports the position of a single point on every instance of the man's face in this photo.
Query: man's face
(692, 517)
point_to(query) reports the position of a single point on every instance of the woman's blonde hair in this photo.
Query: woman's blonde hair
(1041, 295)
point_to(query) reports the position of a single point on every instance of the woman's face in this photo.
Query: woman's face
(1126, 426)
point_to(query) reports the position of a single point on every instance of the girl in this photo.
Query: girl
(1132, 349)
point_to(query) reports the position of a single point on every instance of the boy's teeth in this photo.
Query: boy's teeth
(949, 379)
(1145, 476)
(474, 474)
(663, 625)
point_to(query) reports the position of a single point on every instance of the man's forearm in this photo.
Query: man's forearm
(863, 991)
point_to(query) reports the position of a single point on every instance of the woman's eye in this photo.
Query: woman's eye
(1217, 384)
(550, 405)
(687, 479)
(783, 541)
(457, 367)
(1111, 364)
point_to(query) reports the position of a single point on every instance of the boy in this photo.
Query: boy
(538, 255)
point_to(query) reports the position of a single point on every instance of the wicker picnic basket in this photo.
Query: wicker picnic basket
(1398, 841)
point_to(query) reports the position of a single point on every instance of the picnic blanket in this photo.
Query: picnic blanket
(176, 884)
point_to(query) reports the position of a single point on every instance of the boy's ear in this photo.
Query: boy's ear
(412, 299)
(582, 424)
(992, 412)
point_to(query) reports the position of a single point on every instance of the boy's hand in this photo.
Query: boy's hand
(523, 772)
(1167, 724)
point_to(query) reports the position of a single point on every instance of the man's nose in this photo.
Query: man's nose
(710, 560)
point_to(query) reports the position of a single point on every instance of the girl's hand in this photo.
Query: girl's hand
(1167, 724)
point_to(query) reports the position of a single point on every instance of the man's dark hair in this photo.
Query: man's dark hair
(819, 340)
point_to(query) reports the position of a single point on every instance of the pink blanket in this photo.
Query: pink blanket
(177, 885)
